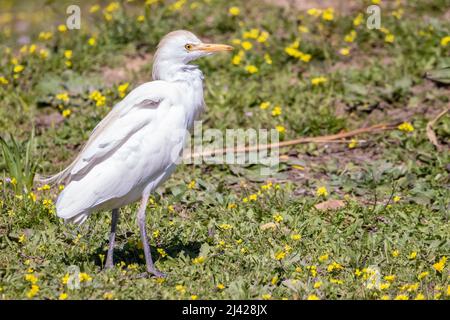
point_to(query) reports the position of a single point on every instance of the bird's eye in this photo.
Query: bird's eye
(188, 46)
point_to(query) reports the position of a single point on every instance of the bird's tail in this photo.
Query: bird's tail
(54, 179)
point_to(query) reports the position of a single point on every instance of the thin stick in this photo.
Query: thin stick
(322, 139)
(430, 132)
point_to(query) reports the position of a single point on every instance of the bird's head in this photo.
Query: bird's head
(181, 47)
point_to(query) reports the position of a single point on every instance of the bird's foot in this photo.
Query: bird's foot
(157, 273)
(108, 266)
(148, 274)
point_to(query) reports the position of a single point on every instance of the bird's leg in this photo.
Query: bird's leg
(112, 237)
(141, 222)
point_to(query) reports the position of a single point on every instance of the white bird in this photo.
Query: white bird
(135, 147)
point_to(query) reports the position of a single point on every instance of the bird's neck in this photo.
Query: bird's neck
(189, 79)
(172, 72)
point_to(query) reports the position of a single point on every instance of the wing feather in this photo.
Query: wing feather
(115, 129)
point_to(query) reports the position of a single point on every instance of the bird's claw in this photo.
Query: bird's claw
(154, 273)
(157, 273)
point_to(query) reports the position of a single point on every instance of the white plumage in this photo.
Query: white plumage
(135, 147)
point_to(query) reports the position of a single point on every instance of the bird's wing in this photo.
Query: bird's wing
(125, 119)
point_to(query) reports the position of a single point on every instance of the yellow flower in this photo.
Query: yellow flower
(323, 257)
(84, 277)
(247, 45)
(234, 11)
(98, 98)
(398, 14)
(266, 296)
(406, 127)
(422, 275)
(448, 291)
(263, 37)
(162, 252)
(312, 297)
(198, 260)
(358, 20)
(353, 144)
(236, 42)
(336, 281)
(390, 278)
(445, 41)
(322, 192)
(31, 278)
(18, 68)
(344, 51)
(232, 206)
(389, 38)
(385, 297)
(252, 34)
(317, 284)
(303, 29)
(280, 255)
(334, 266)
(277, 111)
(108, 295)
(33, 291)
(419, 297)
(236, 60)
(194, 297)
(312, 270)
(376, 1)
(277, 217)
(314, 12)
(440, 265)
(401, 297)
(396, 198)
(62, 28)
(32, 48)
(412, 255)
(113, 6)
(328, 14)
(225, 226)
(140, 18)
(43, 54)
(122, 89)
(32, 196)
(280, 129)
(3, 81)
(45, 35)
(22, 238)
(65, 279)
(251, 69)
(92, 41)
(220, 286)
(180, 288)
(68, 54)
(264, 105)
(94, 8)
(395, 253)
(66, 113)
(62, 296)
(384, 286)
(350, 37)
(64, 97)
(318, 81)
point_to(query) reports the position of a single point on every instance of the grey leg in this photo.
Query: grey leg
(112, 237)
(141, 223)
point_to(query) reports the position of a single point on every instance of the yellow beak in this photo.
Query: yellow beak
(213, 47)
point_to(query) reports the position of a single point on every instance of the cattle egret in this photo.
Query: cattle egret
(131, 151)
